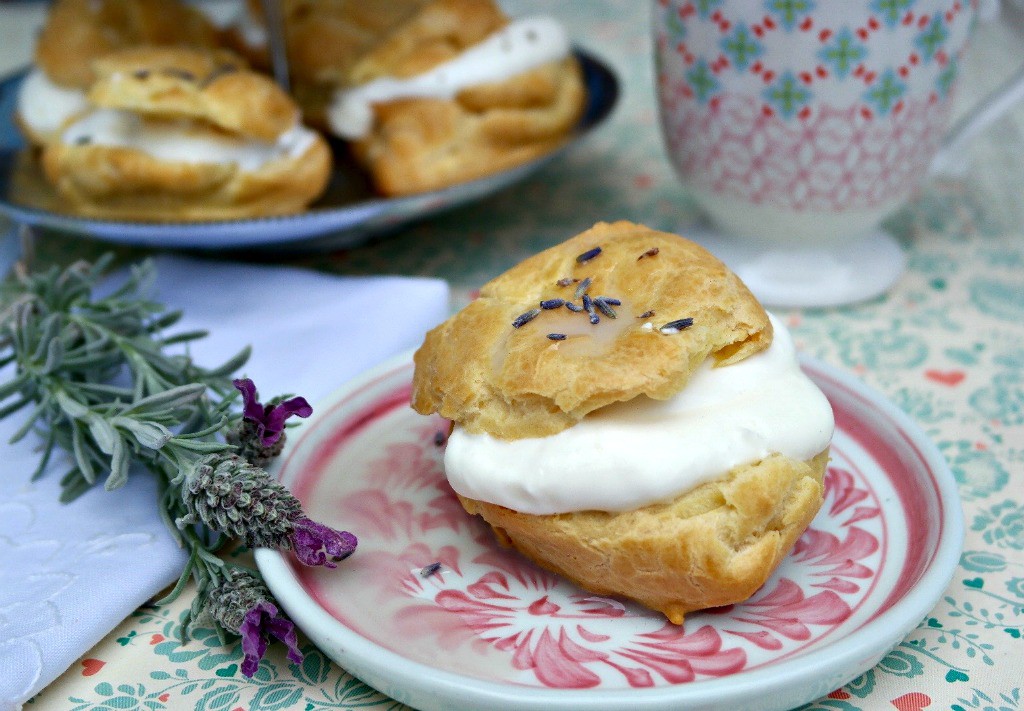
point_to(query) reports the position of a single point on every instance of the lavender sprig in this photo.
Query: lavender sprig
(103, 381)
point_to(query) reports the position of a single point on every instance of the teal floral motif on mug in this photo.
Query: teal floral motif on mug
(977, 471)
(930, 40)
(885, 95)
(998, 298)
(1002, 525)
(741, 47)
(706, 7)
(789, 12)
(787, 95)
(1003, 400)
(944, 82)
(892, 11)
(702, 82)
(881, 350)
(676, 29)
(843, 53)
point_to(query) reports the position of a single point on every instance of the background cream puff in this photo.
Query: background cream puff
(76, 33)
(456, 92)
(179, 134)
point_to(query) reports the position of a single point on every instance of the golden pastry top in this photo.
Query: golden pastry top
(513, 367)
(78, 31)
(209, 85)
(436, 33)
(326, 37)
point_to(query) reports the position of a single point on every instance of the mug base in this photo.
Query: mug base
(809, 277)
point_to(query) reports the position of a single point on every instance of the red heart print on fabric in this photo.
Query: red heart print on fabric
(91, 666)
(914, 701)
(946, 377)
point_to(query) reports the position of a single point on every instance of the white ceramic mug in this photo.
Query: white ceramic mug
(809, 121)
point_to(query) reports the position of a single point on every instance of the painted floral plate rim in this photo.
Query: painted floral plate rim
(348, 214)
(489, 630)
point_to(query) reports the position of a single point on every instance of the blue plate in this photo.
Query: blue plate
(348, 214)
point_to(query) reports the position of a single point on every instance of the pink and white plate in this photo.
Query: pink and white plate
(489, 630)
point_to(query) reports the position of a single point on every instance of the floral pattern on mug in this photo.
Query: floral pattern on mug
(807, 106)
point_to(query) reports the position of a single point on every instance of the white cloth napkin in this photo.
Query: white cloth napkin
(70, 574)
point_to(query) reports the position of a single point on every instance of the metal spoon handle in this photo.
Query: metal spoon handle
(274, 16)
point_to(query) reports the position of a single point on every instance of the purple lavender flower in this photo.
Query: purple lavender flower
(261, 622)
(232, 496)
(269, 419)
(241, 604)
(317, 544)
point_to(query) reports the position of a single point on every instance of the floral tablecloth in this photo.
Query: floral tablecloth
(946, 345)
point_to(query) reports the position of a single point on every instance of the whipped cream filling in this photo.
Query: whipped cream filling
(643, 451)
(518, 47)
(184, 141)
(45, 106)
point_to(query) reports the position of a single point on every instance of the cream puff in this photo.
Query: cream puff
(455, 92)
(324, 39)
(76, 33)
(627, 415)
(183, 135)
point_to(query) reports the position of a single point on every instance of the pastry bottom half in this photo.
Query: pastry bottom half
(713, 546)
(125, 184)
(419, 145)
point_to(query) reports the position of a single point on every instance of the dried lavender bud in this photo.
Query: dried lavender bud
(646, 314)
(242, 605)
(575, 308)
(217, 73)
(429, 570)
(588, 304)
(588, 255)
(549, 304)
(676, 326)
(556, 336)
(234, 497)
(525, 318)
(603, 305)
(566, 281)
(178, 73)
(582, 287)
